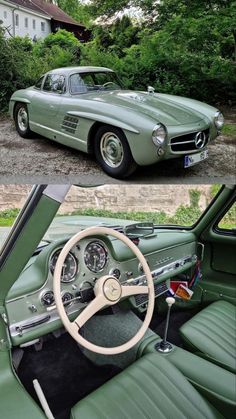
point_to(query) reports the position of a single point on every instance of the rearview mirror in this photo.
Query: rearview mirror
(139, 230)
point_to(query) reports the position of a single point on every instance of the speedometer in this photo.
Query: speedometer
(69, 269)
(95, 257)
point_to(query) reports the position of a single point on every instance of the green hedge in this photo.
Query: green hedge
(186, 56)
(185, 215)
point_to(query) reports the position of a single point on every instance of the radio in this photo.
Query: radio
(161, 288)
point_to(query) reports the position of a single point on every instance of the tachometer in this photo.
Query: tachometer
(70, 267)
(95, 257)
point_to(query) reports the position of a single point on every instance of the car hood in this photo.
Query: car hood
(157, 106)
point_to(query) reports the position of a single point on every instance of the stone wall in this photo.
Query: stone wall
(115, 198)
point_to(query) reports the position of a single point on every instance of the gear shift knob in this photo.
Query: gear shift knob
(165, 346)
(170, 301)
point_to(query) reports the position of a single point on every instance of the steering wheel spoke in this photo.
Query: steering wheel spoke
(92, 308)
(108, 292)
(129, 290)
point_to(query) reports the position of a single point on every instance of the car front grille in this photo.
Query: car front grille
(187, 142)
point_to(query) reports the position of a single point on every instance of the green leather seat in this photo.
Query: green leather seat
(211, 333)
(151, 388)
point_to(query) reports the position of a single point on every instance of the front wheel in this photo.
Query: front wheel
(21, 117)
(113, 153)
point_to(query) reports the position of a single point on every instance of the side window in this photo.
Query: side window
(77, 85)
(38, 84)
(228, 222)
(55, 83)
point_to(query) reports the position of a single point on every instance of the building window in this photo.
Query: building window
(17, 20)
(26, 22)
(34, 24)
(5, 14)
(43, 26)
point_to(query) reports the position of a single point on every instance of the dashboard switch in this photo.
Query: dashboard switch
(33, 308)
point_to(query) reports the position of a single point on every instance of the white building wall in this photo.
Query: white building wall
(38, 25)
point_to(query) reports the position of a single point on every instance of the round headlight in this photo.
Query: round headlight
(219, 120)
(159, 135)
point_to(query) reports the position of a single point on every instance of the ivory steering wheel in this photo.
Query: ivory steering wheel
(108, 292)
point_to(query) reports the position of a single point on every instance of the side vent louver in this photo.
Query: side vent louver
(70, 124)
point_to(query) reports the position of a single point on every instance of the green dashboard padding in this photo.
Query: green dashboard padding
(212, 334)
(150, 388)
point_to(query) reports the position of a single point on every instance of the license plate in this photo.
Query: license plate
(195, 158)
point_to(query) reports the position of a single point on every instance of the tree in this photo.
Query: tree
(79, 11)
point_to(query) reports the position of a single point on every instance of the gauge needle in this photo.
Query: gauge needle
(95, 261)
(63, 271)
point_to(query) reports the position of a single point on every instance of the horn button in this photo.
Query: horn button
(112, 289)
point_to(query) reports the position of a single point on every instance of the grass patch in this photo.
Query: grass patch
(7, 217)
(230, 130)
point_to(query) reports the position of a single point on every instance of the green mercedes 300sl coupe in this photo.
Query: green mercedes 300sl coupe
(104, 318)
(86, 108)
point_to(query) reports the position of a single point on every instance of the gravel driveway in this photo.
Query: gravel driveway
(34, 161)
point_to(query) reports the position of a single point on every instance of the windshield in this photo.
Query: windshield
(117, 206)
(94, 81)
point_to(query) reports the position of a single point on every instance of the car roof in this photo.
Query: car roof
(70, 70)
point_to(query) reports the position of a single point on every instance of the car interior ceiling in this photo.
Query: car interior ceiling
(67, 372)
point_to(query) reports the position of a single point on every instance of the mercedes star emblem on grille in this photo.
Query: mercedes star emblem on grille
(200, 140)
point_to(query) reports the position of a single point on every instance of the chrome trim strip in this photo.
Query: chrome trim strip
(181, 142)
(16, 329)
(190, 151)
(57, 132)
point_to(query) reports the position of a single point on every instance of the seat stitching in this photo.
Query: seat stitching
(96, 406)
(213, 340)
(208, 328)
(222, 318)
(181, 393)
(220, 327)
(229, 315)
(136, 380)
(170, 379)
(170, 398)
(130, 399)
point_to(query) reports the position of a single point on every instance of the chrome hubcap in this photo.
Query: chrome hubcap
(22, 119)
(111, 150)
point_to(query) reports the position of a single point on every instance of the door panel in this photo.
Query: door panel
(219, 265)
(45, 107)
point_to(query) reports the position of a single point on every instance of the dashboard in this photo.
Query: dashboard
(30, 306)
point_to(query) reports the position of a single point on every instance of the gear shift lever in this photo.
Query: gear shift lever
(165, 346)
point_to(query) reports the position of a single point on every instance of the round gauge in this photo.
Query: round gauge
(47, 298)
(95, 257)
(66, 298)
(70, 266)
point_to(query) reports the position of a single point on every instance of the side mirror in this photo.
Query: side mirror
(151, 90)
